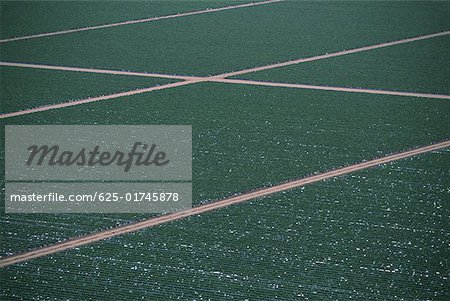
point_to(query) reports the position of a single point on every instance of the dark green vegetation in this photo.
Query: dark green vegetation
(378, 234)
(247, 137)
(412, 67)
(21, 18)
(236, 39)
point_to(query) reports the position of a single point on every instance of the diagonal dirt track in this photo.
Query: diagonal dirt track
(96, 71)
(334, 54)
(219, 77)
(178, 15)
(329, 88)
(195, 79)
(98, 98)
(83, 240)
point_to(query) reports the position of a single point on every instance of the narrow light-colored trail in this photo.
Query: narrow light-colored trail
(329, 88)
(95, 99)
(335, 54)
(178, 15)
(220, 77)
(87, 239)
(97, 71)
(220, 80)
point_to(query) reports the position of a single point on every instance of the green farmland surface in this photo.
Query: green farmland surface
(20, 18)
(378, 234)
(236, 39)
(275, 135)
(415, 67)
(23, 88)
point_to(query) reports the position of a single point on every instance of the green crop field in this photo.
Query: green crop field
(375, 234)
(394, 69)
(26, 89)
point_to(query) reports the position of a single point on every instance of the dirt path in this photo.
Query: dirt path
(220, 77)
(83, 240)
(97, 71)
(329, 88)
(95, 99)
(335, 54)
(178, 15)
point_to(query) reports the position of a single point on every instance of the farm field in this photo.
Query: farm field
(376, 234)
(195, 45)
(30, 88)
(382, 69)
(261, 144)
(32, 17)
